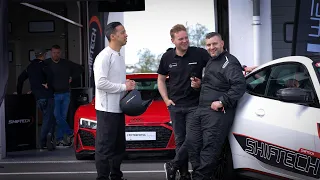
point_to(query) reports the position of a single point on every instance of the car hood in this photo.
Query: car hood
(157, 112)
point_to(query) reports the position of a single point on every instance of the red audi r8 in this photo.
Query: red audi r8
(151, 131)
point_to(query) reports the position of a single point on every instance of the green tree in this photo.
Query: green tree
(148, 62)
(197, 34)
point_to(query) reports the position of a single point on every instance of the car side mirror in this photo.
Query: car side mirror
(295, 95)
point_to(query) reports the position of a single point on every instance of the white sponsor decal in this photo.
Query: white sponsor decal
(141, 136)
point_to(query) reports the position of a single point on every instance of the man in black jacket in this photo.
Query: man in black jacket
(222, 86)
(64, 71)
(40, 80)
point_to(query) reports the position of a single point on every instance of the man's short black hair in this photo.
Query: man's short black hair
(55, 47)
(213, 34)
(111, 29)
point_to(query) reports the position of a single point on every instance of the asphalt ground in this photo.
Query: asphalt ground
(61, 164)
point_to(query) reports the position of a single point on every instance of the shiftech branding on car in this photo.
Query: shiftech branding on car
(304, 162)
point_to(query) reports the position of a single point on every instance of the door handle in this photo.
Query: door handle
(260, 112)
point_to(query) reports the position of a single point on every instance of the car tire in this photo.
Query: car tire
(225, 170)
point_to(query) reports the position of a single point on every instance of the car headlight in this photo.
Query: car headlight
(88, 123)
(169, 123)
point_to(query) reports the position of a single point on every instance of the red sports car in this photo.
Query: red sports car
(151, 131)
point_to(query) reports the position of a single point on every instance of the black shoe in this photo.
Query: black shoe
(63, 144)
(43, 148)
(185, 177)
(118, 178)
(170, 171)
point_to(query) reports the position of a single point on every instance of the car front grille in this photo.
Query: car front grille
(87, 138)
(162, 134)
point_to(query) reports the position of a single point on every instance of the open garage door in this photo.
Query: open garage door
(102, 6)
(3, 69)
(3, 48)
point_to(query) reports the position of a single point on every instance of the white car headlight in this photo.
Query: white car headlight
(88, 123)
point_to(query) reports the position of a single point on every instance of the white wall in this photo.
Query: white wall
(113, 17)
(241, 31)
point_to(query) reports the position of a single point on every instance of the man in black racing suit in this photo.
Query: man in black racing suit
(222, 86)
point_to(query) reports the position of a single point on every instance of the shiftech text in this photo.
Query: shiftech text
(283, 158)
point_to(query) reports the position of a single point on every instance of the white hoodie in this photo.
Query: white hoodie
(109, 75)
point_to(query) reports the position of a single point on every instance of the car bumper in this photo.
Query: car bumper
(84, 141)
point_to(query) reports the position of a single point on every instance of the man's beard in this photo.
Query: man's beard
(217, 53)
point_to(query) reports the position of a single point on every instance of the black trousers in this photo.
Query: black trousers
(110, 145)
(181, 117)
(208, 132)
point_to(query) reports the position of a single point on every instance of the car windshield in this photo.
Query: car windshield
(148, 88)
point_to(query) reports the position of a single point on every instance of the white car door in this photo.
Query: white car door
(279, 135)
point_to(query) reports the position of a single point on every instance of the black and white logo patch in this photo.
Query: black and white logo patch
(172, 65)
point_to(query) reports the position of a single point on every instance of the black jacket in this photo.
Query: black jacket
(38, 74)
(223, 81)
(62, 72)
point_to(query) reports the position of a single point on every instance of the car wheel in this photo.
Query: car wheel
(225, 170)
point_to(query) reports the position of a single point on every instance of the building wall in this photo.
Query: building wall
(241, 31)
(282, 11)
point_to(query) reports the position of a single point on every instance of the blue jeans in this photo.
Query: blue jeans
(60, 112)
(46, 106)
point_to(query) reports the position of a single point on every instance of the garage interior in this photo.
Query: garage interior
(30, 24)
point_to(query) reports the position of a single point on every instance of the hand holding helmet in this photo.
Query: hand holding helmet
(132, 103)
(130, 84)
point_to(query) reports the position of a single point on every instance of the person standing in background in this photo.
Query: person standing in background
(63, 72)
(40, 80)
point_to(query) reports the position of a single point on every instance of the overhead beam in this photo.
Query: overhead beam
(52, 13)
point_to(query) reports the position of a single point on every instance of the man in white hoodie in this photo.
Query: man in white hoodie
(111, 84)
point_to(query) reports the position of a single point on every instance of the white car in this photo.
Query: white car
(276, 131)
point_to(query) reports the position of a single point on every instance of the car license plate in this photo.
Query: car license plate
(140, 136)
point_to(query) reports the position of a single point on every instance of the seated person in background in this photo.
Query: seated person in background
(291, 83)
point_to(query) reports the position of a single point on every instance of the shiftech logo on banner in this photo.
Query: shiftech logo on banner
(95, 41)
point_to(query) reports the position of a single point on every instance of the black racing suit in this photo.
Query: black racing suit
(223, 81)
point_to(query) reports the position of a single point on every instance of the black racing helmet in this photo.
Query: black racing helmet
(133, 105)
